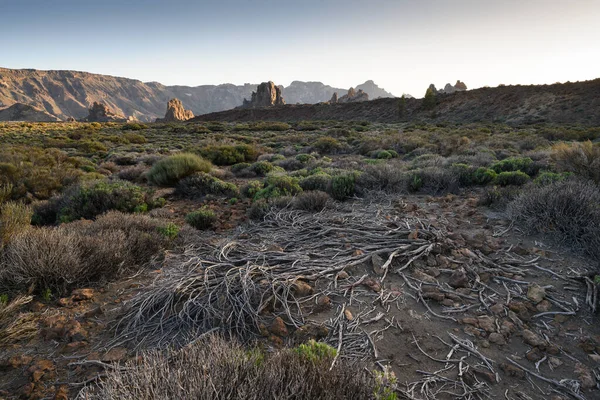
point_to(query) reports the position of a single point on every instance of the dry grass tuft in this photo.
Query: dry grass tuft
(582, 159)
(15, 326)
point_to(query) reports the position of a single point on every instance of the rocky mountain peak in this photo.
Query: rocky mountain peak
(176, 112)
(267, 95)
(354, 96)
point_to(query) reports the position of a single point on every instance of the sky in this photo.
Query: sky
(403, 45)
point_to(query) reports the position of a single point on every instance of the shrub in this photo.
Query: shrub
(252, 188)
(90, 199)
(313, 201)
(135, 138)
(582, 159)
(134, 126)
(5, 192)
(258, 210)
(433, 180)
(387, 177)
(261, 168)
(327, 145)
(229, 155)
(202, 219)
(14, 219)
(342, 186)
(547, 178)
(277, 186)
(319, 181)
(513, 164)
(567, 209)
(483, 176)
(517, 178)
(464, 173)
(235, 373)
(304, 158)
(76, 254)
(202, 184)
(498, 197)
(132, 174)
(170, 170)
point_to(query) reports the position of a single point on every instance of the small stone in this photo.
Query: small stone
(115, 354)
(422, 276)
(36, 306)
(487, 323)
(497, 309)
(585, 376)
(485, 374)
(343, 275)
(82, 294)
(595, 358)
(533, 339)
(302, 288)
(511, 370)
(62, 393)
(94, 312)
(323, 303)
(507, 328)
(554, 362)
(434, 272)
(372, 284)
(536, 293)
(278, 327)
(348, 315)
(497, 338)
(459, 279)
(485, 344)
(377, 261)
(437, 296)
(534, 355)
(448, 303)
(472, 331)
(543, 306)
(65, 302)
(470, 321)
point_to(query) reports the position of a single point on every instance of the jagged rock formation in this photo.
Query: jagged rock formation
(25, 112)
(266, 95)
(176, 112)
(67, 94)
(353, 96)
(334, 98)
(458, 87)
(100, 112)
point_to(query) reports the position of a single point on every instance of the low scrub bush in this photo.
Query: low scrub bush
(513, 164)
(261, 168)
(389, 177)
(132, 174)
(582, 159)
(251, 188)
(568, 209)
(202, 219)
(327, 145)
(319, 181)
(90, 199)
(170, 170)
(342, 186)
(229, 371)
(432, 180)
(80, 253)
(312, 201)
(277, 186)
(229, 155)
(202, 184)
(14, 219)
(516, 178)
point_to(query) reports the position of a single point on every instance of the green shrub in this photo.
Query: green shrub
(277, 186)
(464, 172)
(261, 168)
(229, 155)
(304, 158)
(134, 138)
(547, 178)
(327, 145)
(170, 170)
(169, 231)
(202, 184)
(319, 181)
(315, 351)
(5, 192)
(342, 186)
(90, 199)
(202, 219)
(239, 167)
(483, 176)
(251, 189)
(516, 178)
(134, 126)
(513, 164)
(258, 210)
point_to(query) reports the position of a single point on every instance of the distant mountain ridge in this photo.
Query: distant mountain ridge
(67, 94)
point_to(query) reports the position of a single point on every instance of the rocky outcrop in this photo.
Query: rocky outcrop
(100, 112)
(354, 96)
(448, 89)
(69, 93)
(266, 95)
(176, 112)
(25, 112)
(334, 98)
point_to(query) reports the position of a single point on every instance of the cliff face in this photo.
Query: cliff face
(67, 94)
(25, 112)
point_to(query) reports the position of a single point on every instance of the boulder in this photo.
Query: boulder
(266, 95)
(176, 112)
(100, 112)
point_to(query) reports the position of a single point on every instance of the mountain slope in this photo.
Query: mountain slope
(69, 93)
(25, 112)
(573, 103)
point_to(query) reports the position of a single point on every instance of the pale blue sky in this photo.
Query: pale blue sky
(403, 45)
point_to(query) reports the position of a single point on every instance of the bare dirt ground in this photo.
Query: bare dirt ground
(456, 301)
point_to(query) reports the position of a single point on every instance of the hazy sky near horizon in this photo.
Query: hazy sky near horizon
(402, 45)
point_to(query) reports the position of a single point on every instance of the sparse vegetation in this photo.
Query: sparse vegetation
(172, 169)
